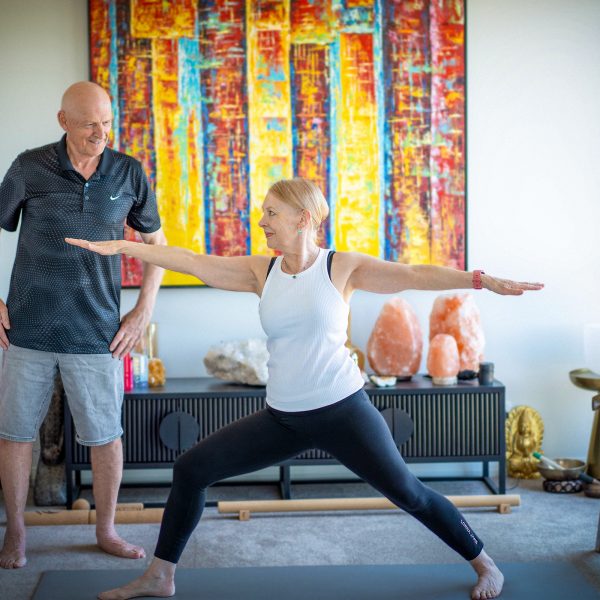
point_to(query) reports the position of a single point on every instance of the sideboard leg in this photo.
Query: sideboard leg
(502, 474)
(69, 481)
(285, 482)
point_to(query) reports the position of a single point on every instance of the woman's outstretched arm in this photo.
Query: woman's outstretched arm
(384, 277)
(236, 273)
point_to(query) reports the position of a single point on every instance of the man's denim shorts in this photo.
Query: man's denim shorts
(93, 386)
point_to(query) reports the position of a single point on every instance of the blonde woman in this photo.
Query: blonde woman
(314, 393)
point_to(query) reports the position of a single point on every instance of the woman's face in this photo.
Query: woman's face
(280, 223)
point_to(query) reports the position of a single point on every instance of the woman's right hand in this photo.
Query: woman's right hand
(107, 248)
(4, 325)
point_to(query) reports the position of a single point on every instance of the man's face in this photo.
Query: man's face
(88, 126)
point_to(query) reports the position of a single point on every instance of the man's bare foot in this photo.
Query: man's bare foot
(146, 585)
(489, 578)
(113, 544)
(12, 555)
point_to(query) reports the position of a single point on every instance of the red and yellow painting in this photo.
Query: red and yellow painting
(221, 98)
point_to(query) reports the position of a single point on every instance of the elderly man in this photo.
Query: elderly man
(62, 312)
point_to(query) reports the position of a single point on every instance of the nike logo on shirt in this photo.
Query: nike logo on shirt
(115, 197)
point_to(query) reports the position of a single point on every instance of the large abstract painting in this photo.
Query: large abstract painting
(220, 98)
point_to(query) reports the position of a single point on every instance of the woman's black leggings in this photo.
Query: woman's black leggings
(352, 430)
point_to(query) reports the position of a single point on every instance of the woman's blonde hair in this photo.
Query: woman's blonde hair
(305, 195)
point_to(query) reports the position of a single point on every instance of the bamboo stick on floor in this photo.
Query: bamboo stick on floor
(502, 502)
(136, 513)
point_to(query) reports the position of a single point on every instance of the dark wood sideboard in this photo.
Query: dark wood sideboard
(457, 423)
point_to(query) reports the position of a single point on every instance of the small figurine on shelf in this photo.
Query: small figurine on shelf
(355, 352)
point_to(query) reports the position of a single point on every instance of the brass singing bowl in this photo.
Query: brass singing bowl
(586, 379)
(572, 469)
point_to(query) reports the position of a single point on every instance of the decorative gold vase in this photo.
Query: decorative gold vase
(589, 380)
(152, 340)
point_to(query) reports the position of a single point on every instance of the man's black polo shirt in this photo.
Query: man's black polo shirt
(63, 298)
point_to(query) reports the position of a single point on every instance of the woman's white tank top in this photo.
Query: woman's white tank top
(306, 319)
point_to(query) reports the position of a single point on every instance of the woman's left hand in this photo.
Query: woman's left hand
(107, 248)
(506, 287)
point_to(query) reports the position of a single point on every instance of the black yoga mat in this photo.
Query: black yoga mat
(524, 581)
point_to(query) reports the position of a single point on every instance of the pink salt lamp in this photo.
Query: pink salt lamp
(458, 316)
(443, 363)
(395, 345)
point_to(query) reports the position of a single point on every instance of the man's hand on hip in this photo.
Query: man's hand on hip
(4, 325)
(133, 326)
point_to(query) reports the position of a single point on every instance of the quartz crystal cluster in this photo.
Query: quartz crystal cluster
(241, 361)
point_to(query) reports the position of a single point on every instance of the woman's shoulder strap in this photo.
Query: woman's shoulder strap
(271, 263)
(329, 259)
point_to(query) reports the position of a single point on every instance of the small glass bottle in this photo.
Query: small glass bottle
(139, 364)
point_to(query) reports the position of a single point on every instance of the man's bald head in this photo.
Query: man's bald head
(83, 93)
(86, 116)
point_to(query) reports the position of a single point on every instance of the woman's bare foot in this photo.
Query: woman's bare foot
(12, 555)
(489, 578)
(158, 582)
(144, 586)
(113, 544)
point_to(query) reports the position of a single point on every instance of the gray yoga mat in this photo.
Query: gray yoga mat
(524, 581)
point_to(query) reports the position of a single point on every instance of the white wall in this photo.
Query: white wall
(533, 181)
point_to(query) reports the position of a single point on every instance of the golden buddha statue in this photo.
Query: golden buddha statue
(524, 433)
